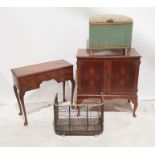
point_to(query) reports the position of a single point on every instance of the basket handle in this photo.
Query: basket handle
(110, 20)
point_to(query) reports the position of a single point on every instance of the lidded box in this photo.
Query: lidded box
(110, 32)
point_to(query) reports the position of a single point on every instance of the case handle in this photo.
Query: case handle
(110, 20)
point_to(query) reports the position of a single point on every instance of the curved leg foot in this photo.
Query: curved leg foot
(21, 95)
(20, 113)
(25, 123)
(135, 102)
(64, 100)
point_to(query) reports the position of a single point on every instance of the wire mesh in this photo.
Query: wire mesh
(68, 120)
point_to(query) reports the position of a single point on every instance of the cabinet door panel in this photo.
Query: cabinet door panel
(123, 74)
(90, 77)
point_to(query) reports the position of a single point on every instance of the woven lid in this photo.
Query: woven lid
(110, 19)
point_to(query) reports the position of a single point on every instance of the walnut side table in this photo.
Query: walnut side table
(30, 77)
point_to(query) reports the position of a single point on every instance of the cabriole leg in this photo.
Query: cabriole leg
(16, 94)
(21, 96)
(135, 102)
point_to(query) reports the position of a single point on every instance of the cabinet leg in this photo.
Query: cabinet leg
(135, 102)
(21, 96)
(64, 99)
(78, 107)
(72, 93)
(16, 94)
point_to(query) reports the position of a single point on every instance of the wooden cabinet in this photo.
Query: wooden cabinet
(116, 76)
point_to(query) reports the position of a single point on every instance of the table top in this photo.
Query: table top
(108, 54)
(40, 68)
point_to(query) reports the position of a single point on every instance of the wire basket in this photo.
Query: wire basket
(68, 120)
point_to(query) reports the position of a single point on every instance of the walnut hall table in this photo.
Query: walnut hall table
(30, 77)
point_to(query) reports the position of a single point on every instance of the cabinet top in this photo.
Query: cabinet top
(108, 54)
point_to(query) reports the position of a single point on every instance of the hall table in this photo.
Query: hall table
(30, 77)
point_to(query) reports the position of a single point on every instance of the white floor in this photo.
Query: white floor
(120, 128)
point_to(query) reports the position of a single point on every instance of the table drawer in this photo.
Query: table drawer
(27, 83)
(65, 71)
(65, 77)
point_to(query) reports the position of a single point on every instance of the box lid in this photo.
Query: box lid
(110, 19)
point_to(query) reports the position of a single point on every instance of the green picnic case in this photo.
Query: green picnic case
(110, 32)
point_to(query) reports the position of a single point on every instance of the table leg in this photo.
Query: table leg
(21, 96)
(64, 99)
(72, 93)
(135, 102)
(78, 107)
(16, 94)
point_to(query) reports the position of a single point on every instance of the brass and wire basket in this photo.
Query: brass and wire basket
(68, 120)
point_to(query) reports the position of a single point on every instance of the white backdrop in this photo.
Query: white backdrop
(35, 35)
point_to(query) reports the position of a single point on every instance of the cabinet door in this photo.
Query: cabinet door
(90, 76)
(124, 76)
